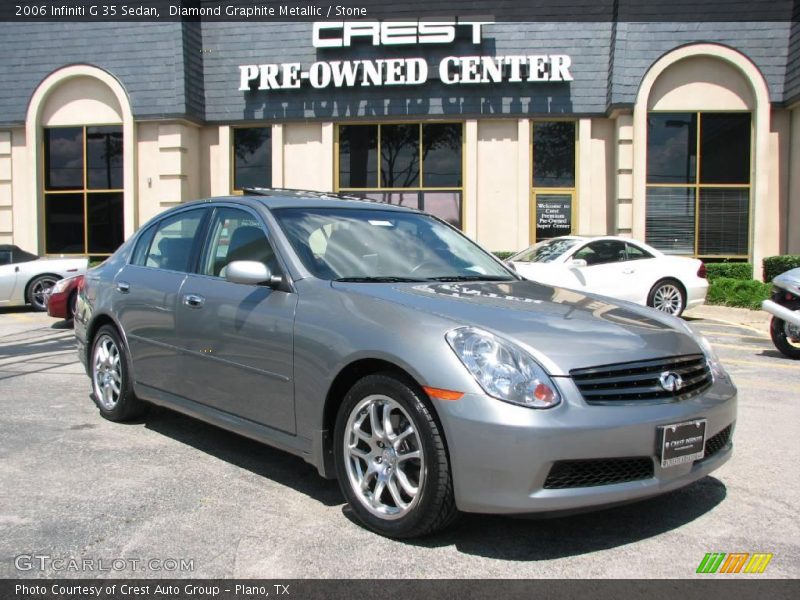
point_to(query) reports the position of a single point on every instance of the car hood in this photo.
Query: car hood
(564, 329)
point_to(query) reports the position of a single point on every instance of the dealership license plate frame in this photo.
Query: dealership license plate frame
(677, 454)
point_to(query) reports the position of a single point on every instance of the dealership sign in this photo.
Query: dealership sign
(451, 70)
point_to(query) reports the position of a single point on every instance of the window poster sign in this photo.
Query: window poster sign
(553, 215)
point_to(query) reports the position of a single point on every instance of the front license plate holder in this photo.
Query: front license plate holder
(682, 443)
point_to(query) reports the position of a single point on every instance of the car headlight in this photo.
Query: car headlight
(717, 370)
(60, 286)
(503, 369)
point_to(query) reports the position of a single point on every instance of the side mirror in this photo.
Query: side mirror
(576, 263)
(251, 272)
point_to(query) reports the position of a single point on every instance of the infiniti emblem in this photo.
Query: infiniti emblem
(670, 381)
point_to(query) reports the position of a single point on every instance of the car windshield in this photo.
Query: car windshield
(372, 245)
(545, 251)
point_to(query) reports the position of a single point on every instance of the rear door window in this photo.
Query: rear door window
(173, 244)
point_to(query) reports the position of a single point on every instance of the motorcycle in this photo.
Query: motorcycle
(785, 308)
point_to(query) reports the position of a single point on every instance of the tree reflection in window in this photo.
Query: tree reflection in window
(554, 154)
(400, 156)
(252, 157)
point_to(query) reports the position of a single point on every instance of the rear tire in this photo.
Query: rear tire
(391, 459)
(112, 384)
(668, 296)
(37, 291)
(780, 337)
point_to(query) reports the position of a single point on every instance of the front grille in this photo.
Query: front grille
(598, 471)
(717, 442)
(636, 382)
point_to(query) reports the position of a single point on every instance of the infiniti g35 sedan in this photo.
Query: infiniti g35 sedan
(394, 354)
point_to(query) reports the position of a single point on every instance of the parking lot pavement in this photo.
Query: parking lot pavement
(73, 485)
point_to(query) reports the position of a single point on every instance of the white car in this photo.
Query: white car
(617, 267)
(26, 278)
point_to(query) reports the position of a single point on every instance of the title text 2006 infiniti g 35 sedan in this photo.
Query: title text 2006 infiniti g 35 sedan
(391, 352)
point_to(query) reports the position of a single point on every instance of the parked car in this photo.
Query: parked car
(63, 297)
(391, 352)
(26, 278)
(616, 267)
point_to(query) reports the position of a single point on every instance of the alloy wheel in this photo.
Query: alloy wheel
(107, 372)
(383, 457)
(792, 333)
(39, 291)
(667, 298)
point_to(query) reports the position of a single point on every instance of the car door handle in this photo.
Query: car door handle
(193, 300)
(628, 271)
(123, 286)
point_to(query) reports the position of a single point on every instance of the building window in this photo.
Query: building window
(83, 190)
(553, 197)
(698, 183)
(252, 157)
(409, 164)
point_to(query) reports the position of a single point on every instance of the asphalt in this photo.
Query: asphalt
(73, 485)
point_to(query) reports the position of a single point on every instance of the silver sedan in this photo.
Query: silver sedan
(394, 354)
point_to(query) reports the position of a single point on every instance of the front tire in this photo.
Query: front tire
(668, 297)
(391, 459)
(112, 385)
(38, 289)
(72, 305)
(782, 334)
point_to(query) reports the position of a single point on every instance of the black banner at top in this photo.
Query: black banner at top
(410, 10)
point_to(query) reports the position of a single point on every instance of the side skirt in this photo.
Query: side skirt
(299, 446)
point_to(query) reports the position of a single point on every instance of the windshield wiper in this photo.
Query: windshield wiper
(384, 279)
(472, 278)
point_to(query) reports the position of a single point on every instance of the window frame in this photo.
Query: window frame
(600, 241)
(232, 156)
(419, 189)
(572, 192)
(85, 191)
(208, 241)
(646, 254)
(697, 186)
(152, 228)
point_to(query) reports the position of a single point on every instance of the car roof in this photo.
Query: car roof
(274, 198)
(594, 238)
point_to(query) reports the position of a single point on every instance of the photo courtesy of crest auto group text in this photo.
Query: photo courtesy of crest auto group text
(361, 299)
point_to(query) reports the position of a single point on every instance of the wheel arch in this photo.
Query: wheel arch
(96, 323)
(341, 384)
(664, 279)
(33, 278)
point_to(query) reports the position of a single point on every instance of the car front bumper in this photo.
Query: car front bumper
(501, 454)
(57, 305)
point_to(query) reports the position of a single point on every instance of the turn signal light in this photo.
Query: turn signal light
(441, 394)
(544, 393)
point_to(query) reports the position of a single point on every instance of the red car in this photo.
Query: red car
(63, 297)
